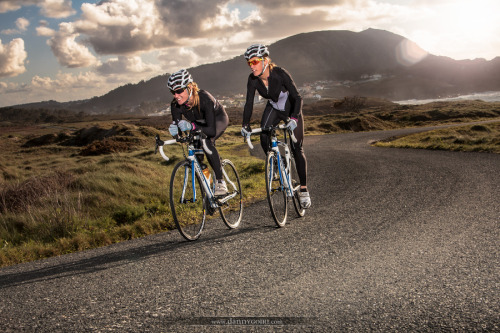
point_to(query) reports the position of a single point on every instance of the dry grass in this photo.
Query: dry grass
(56, 197)
(478, 138)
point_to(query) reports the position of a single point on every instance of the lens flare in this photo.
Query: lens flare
(408, 53)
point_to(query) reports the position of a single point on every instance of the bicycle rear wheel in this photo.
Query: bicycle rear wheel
(187, 202)
(275, 189)
(231, 206)
(296, 188)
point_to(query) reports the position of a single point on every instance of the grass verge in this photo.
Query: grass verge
(57, 201)
(476, 138)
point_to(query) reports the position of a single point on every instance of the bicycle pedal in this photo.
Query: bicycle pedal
(219, 198)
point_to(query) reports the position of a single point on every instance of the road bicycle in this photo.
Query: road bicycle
(282, 180)
(192, 188)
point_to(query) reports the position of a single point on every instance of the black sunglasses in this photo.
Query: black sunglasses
(178, 91)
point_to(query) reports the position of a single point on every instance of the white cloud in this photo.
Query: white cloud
(122, 26)
(12, 58)
(134, 26)
(22, 23)
(12, 93)
(124, 65)
(48, 8)
(67, 50)
(7, 6)
(66, 81)
(9, 88)
(223, 19)
(206, 51)
(56, 8)
(9, 32)
(176, 58)
(64, 87)
(44, 30)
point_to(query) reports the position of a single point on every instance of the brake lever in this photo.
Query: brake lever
(158, 142)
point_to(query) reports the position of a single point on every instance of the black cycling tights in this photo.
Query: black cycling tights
(272, 117)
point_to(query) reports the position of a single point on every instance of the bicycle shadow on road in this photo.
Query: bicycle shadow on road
(116, 255)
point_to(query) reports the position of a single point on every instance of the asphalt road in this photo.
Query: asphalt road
(396, 240)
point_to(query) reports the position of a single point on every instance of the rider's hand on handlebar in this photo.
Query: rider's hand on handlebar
(246, 131)
(291, 124)
(185, 125)
(173, 129)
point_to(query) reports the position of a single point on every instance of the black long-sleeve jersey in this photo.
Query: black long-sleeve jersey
(282, 94)
(210, 110)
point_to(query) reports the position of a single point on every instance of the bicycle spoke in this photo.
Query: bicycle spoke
(231, 207)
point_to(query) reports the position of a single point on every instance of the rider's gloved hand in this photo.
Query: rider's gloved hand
(292, 124)
(173, 129)
(246, 131)
(185, 125)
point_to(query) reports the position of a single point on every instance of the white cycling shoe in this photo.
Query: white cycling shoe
(304, 199)
(220, 188)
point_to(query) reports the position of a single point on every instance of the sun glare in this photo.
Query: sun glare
(471, 18)
(462, 29)
(408, 53)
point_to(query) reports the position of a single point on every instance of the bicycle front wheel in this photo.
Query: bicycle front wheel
(276, 192)
(296, 188)
(187, 201)
(231, 206)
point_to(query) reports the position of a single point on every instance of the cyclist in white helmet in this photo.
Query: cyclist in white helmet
(284, 103)
(203, 113)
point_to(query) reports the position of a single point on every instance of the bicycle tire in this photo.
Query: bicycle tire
(188, 207)
(231, 210)
(296, 188)
(275, 190)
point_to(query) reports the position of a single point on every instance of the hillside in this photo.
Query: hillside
(343, 58)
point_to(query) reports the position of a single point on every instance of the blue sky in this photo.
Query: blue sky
(75, 49)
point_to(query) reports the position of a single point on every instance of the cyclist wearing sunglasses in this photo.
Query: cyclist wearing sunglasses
(203, 113)
(284, 103)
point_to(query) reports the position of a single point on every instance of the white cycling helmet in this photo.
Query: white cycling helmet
(256, 50)
(179, 80)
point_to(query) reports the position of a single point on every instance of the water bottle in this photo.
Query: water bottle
(207, 174)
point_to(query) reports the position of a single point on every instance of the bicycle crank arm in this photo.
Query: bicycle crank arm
(226, 198)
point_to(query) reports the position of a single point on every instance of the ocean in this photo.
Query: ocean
(489, 96)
